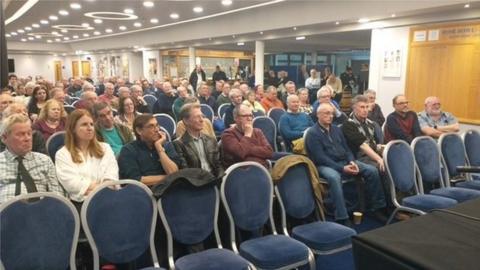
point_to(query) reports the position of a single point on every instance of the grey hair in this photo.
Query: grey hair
(370, 91)
(11, 120)
(359, 98)
(186, 110)
(324, 89)
(236, 110)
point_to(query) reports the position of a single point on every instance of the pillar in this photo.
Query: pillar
(259, 61)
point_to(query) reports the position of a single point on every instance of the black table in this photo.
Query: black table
(437, 240)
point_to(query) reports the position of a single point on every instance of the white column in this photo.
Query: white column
(259, 61)
(191, 59)
(314, 58)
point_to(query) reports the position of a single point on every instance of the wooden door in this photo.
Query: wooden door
(75, 71)
(58, 71)
(86, 72)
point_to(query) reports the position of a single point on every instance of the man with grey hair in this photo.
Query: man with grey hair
(324, 95)
(21, 170)
(165, 100)
(374, 111)
(108, 96)
(58, 94)
(243, 142)
(136, 93)
(180, 100)
(86, 101)
(434, 122)
(236, 99)
(123, 92)
(293, 123)
(290, 89)
(223, 97)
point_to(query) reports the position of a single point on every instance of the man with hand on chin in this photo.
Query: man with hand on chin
(242, 142)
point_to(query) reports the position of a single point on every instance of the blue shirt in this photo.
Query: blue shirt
(292, 125)
(445, 119)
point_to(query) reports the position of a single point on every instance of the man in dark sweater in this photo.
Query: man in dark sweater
(165, 100)
(402, 124)
(327, 148)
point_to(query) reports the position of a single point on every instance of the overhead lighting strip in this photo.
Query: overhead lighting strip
(26, 7)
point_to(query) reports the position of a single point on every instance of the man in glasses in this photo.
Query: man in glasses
(434, 122)
(402, 124)
(242, 142)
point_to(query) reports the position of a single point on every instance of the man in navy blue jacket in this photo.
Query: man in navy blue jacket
(327, 148)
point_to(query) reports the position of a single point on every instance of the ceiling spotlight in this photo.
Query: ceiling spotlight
(122, 27)
(261, 32)
(233, 36)
(66, 38)
(197, 9)
(7, 35)
(97, 21)
(300, 38)
(63, 12)
(337, 23)
(363, 20)
(55, 33)
(21, 31)
(227, 2)
(295, 28)
(108, 30)
(44, 22)
(75, 6)
(128, 11)
(240, 43)
(13, 33)
(58, 40)
(96, 33)
(137, 24)
(393, 15)
(38, 37)
(75, 36)
(174, 16)
(53, 17)
(36, 25)
(466, 6)
(148, 4)
(85, 25)
(28, 28)
(30, 38)
(49, 41)
(154, 20)
(86, 35)
(64, 31)
(23, 39)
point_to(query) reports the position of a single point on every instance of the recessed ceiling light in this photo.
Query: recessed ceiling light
(36, 25)
(227, 2)
(21, 31)
(96, 33)
(53, 17)
(75, 6)
(148, 4)
(337, 23)
(13, 33)
(49, 41)
(154, 20)
(466, 6)
(30, 38)
(295, 28)
(86, 35)
(64, 31)
(363, 20)
(38, 37)
(122, 27)
(97, 21)
(233, 36)
(23, 39)
(28, 28)
(66, 38)
(197, 9)
(137, 24)
(85, 25)
(261, 32)
(57, 39)
(44, 22)
(55, 33)
(7, 35)
(108, 30)
(75, 36)
(240, 43)
(300, 38)
(128, 11)
(393, 15)
(63, 12)
(174, 16)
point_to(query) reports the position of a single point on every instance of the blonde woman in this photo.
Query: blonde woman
(51, 119)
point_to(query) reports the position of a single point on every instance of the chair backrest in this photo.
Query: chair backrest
(150, 100)
(169, 138)
(275, 114)
(73, 99)
(471, 139)
(40, 234)
(247, 194)
(68, 108)
(119, 222)
(114, 112)
(222, 109)
(189, 214)
(258, 113)
(269, 129)
(427, 160)
(74, 103)
(167, 122)
(453, 153)
(207, 111)
(54, 143)
(400, 166)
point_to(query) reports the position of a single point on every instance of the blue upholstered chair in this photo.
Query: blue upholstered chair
(150, 100)
(427, 160)
(68, 108)
(471, 140)
(247, 194)
(269, 129)
(167, 122)
(40, 234)
(119, 222)
(169, 138)
(258, 113)
(454, 154)
(207, 112)
(329, 241)
(400, 166)
(189, 215)
(222, 109)
(275, 114)
(54, 143)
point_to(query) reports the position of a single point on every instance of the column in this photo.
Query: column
(314, 58)
(191, 59)
(259, 61)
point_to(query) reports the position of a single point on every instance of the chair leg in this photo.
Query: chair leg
(392, 215)
(311, 260)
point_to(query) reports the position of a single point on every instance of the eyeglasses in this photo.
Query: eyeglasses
(403, 103)
(152, 126)
(246, 115)
(327, 113)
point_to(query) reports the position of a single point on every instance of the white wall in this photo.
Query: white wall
(33, 65)
(146, 55)
(136, 65)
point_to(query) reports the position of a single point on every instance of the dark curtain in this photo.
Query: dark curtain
(3, 50)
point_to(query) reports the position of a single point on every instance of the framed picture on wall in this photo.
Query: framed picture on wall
(392, 63)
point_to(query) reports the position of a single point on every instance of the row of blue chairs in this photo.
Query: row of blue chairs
(119, 220)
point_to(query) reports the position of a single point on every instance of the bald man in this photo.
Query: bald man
(433, 121)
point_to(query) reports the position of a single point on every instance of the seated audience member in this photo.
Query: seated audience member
(84, 162)
(434, 122)
(108, 96)
(123, 92)
(86, 101)
(21, 93)
(180, 100)
(223, 97)
(253, 103)
(305, 105)
(290, 89)
(313, 82)
(109, 131)
(37, 101)
(218, 90)
(57, 94)
(12, 82)
(335, 84)
(5, 101)
(270, 100)
(327, 148)
(242, 142)
(126, 112)
(359, 131)
(207, 125)
(259, 92)
(85, 87)
(195, 149)
(375, 112)
(136, 93)
(22, 170)
(165, 99)
(293, 123)
(75, 87)
(244, 88)
(402, 124)
(324, 96)
(235, 99)
(149, 158)
(204, 95)
(51, 119)
(38, 143)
